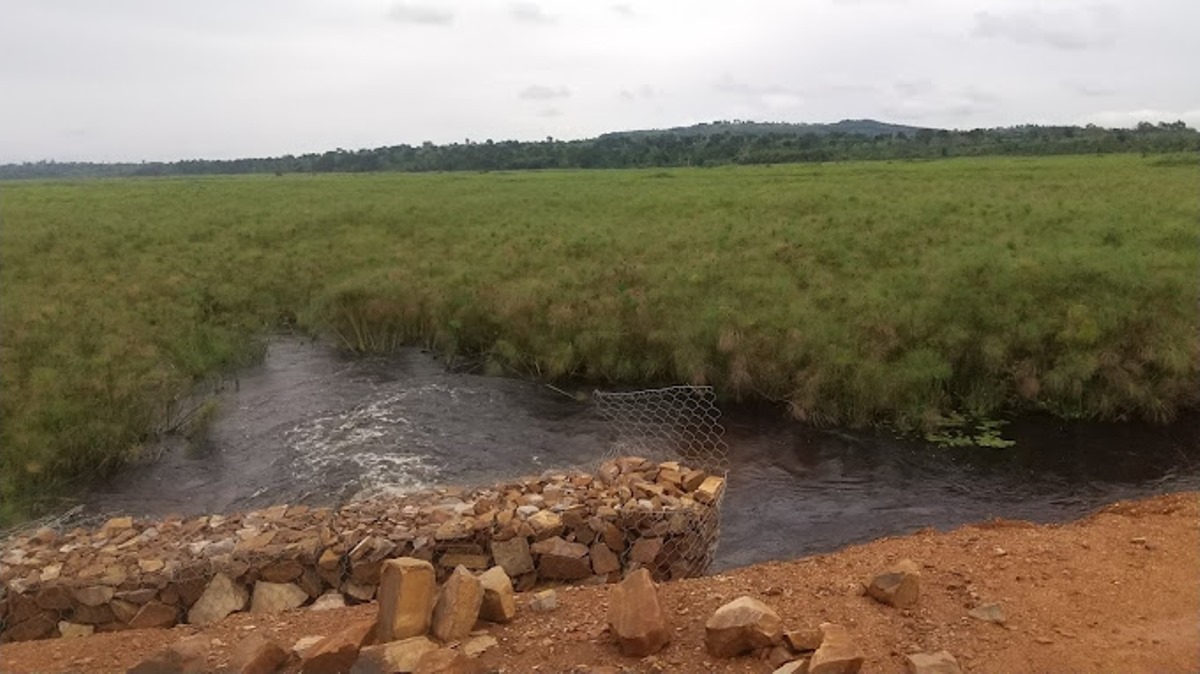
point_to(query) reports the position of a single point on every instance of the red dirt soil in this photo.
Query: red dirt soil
(1118, 591)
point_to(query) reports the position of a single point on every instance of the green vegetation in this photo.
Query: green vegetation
(855, 293)
(714, 144)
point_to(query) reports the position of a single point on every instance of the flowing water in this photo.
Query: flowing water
(311, 426)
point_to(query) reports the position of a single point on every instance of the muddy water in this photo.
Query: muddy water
(309, 426)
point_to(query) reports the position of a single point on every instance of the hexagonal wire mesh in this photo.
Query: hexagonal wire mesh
(670, 521)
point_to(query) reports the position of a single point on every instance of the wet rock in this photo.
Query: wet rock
(406, 596)
(396, 656)
(544, 601)
(741, 626)
(221, 597)
(635, 616)
(457, 606)
(327, 601)
(838, 653)
(154, 614)
(447, 661)
(337, 652)
(899, 586)
(256, 654)
(499, 605)
(513, 556)
(276, 597)
(70, 630)
(186, 656)
(991, 613)
(941, 662)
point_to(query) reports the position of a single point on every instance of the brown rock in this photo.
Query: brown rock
(561, 560)
(123, 610)
(358, 591)
(447, 661)
(710, 489)
(186, 656)
(741, 626)
(393, 657)
(337, 652)
(604, 560)
(793, 667)
(327, 601)
(116, 524)
(838, 653)
(406, 596)
(544, 601)
(513, 556)
(803, 640)
(155, 614)
(140, 596)
(478, 645)
(56, 597)
(779, 656)
(545, 524)
(257, 654)
(455, 529)
(646, 550)
(35, 627)
(991, 613)
(932, 663)
(70, 630)
(93, 615)
(613, 538)
(499, 605)
(899, 586)
(276, 597)
(281, 572)
(95, 595)
(221, 597)
(457, 606)
(635, 616)
(475, 562)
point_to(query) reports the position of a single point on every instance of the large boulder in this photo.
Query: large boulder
(220, 598)
(562, 560)
(407, 589)
(741, 626)
(447, 661)
(838, 653)
(499, 605)
(457, 606)
(635, 616)
(899, 586)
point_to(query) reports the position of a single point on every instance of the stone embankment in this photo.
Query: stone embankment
(560, 527)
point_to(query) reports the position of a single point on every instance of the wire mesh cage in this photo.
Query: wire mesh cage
(668, 463)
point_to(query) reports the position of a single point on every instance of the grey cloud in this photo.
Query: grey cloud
(1091, 90)
(429, 15)
(549, 112)
(1090, 28)
(541, 92)
(528, 12)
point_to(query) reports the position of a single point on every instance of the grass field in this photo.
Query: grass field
(856, 293)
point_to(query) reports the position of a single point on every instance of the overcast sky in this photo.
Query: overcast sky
(160, 79)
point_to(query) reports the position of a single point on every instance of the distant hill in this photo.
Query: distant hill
(854, 127)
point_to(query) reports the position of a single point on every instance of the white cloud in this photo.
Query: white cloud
(541, 92)
(1087, 28)
(528, 12)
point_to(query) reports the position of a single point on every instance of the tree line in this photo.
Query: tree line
(715, 144)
